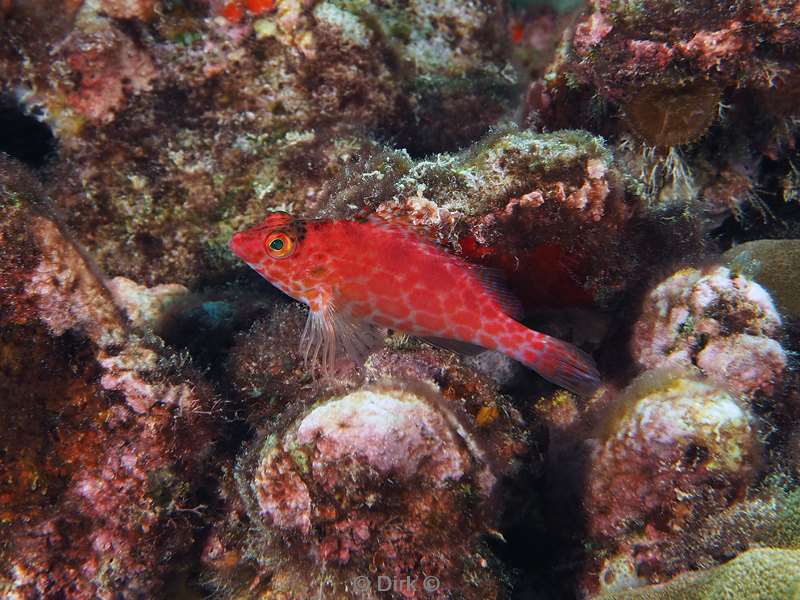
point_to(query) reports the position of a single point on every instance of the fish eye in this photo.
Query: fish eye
(279, 245)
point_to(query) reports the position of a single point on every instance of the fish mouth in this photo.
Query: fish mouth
(241, 243)
(235, 242)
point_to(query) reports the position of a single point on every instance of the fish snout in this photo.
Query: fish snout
(244, 244)
(235, 242)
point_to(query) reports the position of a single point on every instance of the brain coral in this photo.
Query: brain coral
(759, 574)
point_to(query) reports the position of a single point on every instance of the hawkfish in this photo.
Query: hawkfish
(358, 276)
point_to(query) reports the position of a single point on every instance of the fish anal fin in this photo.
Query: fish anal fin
(457, 346)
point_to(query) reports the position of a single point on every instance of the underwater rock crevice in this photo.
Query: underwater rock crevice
(25, 136)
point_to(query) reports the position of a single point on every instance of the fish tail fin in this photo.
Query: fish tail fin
(560, 363)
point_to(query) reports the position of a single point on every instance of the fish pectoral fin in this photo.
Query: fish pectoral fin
(359, 339)
(318, 342)
(327, 332)
(456, 346)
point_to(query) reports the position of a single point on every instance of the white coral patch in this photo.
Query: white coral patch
(393, 431)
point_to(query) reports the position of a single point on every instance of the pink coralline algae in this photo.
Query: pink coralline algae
(678, 449)
(394, 434)
(127, 424)
(363, 439)
(713, 48)
(70, 296)
(134, 372)
(719, 321)
(647, 52)
(592, 31)
(110, 68)
(394, 476)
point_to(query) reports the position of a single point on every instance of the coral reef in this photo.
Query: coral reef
(720, 321)
(259, 112)
(681, 90)
(669, 52)
(627, 170)
(123, 466)
(674, 433)
(676, 450)
(392, 479)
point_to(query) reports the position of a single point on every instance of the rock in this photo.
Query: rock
(674, 451)
(720, 321)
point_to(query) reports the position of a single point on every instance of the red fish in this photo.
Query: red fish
(356, 275)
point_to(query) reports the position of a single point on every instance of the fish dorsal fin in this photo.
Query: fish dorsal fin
(495, 285)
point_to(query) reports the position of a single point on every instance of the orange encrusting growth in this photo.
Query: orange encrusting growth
(234, 12)
(375, 272)
(260, 6)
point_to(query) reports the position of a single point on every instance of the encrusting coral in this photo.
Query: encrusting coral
(111, 464)
(674, 450)
(393, 478)
(720, 321)
(672, 432)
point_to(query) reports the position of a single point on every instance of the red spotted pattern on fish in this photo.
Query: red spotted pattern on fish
(356, 275)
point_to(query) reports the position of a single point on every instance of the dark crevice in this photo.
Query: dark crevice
(23, 136)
